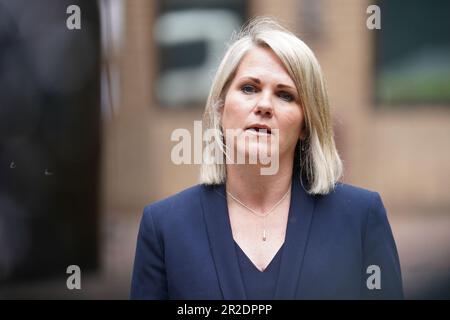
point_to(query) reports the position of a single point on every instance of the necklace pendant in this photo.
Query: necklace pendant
(264, 238)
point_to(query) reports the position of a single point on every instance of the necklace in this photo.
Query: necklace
(263, 215)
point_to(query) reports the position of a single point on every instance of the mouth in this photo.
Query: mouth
(259, 129)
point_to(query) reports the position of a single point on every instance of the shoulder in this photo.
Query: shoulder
(183, 197)
(351, 202)
(347, 194)
(174, 208)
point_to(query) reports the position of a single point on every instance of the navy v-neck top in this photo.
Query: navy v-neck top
(259, 285)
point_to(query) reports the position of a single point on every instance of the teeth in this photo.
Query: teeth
(262, 130)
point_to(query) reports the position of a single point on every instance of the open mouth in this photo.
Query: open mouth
(259, 129)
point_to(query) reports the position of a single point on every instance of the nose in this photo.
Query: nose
(264, 106)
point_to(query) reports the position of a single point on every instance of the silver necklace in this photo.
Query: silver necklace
(263, 215)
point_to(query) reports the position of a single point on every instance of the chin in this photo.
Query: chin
(255, 150)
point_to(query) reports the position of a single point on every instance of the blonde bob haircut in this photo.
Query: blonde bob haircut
(316, 158)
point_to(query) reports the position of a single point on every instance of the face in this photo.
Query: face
(260, 98)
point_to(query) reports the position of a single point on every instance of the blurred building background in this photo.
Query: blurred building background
(87, 115)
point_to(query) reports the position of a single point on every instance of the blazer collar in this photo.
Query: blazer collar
(215, 211)
(297, 232)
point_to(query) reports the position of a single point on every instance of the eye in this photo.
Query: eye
(286, 96)
(248, 89)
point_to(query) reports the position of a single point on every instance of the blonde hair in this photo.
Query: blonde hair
(316, 157)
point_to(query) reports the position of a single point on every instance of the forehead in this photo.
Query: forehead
(263, 63)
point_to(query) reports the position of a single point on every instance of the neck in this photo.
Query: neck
(258, 191)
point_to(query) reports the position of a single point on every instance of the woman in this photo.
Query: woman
(296, 233)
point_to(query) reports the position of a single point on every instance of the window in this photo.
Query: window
(191, 38)
(413, 53)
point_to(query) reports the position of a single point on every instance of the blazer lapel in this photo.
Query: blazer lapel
(215, 211)
(299, 222)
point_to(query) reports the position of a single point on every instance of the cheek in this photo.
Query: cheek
(233, 113)
(292, 123)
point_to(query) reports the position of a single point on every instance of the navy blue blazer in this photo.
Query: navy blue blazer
(185, 248)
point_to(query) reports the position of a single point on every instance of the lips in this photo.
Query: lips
(259, 129)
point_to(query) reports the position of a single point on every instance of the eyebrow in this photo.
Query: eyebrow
(256, 80)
